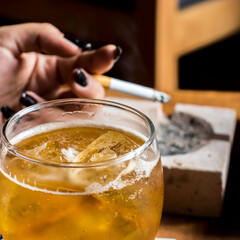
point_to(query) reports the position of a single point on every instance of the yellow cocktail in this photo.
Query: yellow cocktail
(73, 172)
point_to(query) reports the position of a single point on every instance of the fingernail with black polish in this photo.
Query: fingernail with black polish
(7, 112)
(80, 78)
(85, 46)
(27, 100)
(117, 54)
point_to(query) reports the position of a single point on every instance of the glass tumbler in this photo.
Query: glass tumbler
(118, 196)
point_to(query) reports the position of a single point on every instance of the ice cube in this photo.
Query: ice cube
(52, 151)
(69, 153)
(108, 146)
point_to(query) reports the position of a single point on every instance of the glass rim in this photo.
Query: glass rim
(136, 152)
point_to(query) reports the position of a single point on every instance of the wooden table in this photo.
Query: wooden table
(227, 227)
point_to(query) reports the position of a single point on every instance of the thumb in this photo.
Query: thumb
(84, 85)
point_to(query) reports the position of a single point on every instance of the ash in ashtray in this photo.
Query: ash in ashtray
(183, 133)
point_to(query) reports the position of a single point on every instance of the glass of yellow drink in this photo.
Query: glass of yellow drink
(80, 169)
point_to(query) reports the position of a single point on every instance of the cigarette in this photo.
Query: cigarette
(132, 88)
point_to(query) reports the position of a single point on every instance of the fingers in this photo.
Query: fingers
(37, 37)
(81, 85)
(84, 85)
(27, 99)
(100, 60)
(6, 111)
(95, 62)
(30, 98)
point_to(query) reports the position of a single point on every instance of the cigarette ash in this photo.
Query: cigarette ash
(183, 133)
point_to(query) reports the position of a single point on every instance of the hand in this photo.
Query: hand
(23, 67)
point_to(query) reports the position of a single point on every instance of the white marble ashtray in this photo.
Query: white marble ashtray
(195, 181)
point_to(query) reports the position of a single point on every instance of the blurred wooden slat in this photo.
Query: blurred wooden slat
(208, 98)
(181, 31)
(165, 57)
(205, 23)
